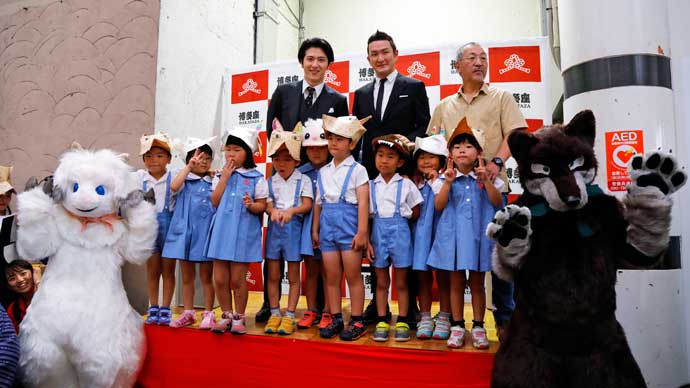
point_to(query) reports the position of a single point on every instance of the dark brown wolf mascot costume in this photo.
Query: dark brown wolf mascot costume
(562, 243)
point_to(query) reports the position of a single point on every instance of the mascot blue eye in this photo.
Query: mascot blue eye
(75, 187)
(100, 190)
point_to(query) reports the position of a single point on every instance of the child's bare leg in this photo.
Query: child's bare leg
(443, 279)
(333, 266)
(153, 274)
(238, 277)
(221, 284)
(352, 264)
(425, 279)
(383, 282)
(457, 294)
(168, 271)
(293, 279)
(402, 290)
(478, 295)
(273, 283)
(188, 275)
(312, 269)
(206, 276)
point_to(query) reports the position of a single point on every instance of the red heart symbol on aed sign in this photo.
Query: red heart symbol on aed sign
(625, 155)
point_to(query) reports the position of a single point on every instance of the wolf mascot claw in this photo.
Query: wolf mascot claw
(562, 243)
(80, 330)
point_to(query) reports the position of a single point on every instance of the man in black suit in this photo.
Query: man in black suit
(299, 101)
(398, 104)
(311, 97)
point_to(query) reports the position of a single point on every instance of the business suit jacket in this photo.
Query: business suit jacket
(287, 104)
(407, 113)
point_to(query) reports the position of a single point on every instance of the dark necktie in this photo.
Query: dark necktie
(310, 96)
(379, 99)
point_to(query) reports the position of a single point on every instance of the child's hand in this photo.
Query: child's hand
(227, 170)
(275, 215)
(195, 160)
(247, 200)
(370, 253)
(315, 240)
(431, 175)
(482, 173)
(450, 171)
(359, 242)
(286, 216)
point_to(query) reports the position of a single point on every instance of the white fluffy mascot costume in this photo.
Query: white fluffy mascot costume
(80, 330)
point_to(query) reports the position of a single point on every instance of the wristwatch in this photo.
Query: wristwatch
(498, 161)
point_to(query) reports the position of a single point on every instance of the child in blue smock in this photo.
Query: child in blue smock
(340, 227)
(394, 203)
(234, 241)
(468, 200)
(429, 155)
(189, 229)
(289, 198)
(315, 147)
(155, 151)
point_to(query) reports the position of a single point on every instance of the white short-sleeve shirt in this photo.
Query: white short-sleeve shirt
(193, 177)
(158, 185)
(386, 194)
(438, 183)
(284, 191)
(260, 191)
(333, 177)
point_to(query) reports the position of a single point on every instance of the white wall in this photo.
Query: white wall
(198, 40)
(277, 30)
(348, 24)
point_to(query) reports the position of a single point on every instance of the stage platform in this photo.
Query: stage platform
(193, 358)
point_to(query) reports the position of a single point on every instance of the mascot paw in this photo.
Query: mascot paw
(133, 199)
(510, 223)
(150, 197)
(656, 169)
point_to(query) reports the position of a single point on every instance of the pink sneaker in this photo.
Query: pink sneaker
(187, 318)
(208, 319)
(223, 324)
(238, 324)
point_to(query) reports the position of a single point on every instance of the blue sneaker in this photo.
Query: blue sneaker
(425, 329)
(164, 316)
(152, 315)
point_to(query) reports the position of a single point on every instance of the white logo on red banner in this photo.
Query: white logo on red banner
(514, 62)
(416, 68)
(249, 86)
(330, 78)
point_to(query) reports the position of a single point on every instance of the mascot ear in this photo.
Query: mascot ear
(520, 142)
(582, 126)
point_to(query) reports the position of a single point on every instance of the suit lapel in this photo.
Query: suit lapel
(398, 86)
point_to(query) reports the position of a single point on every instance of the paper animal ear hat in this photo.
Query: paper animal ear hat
(249, 136)
(435, 144)
(193, 143)
(159, 139)
(463, 128)
(399, 142)
(5, 184)
(291, 140)
(346, 126)
(313, 134)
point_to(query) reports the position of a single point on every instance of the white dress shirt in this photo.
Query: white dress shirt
(284, 191)
(333, 178)
(387, 88)
(386, 194)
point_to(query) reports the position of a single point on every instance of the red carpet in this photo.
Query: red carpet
(192, 358)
